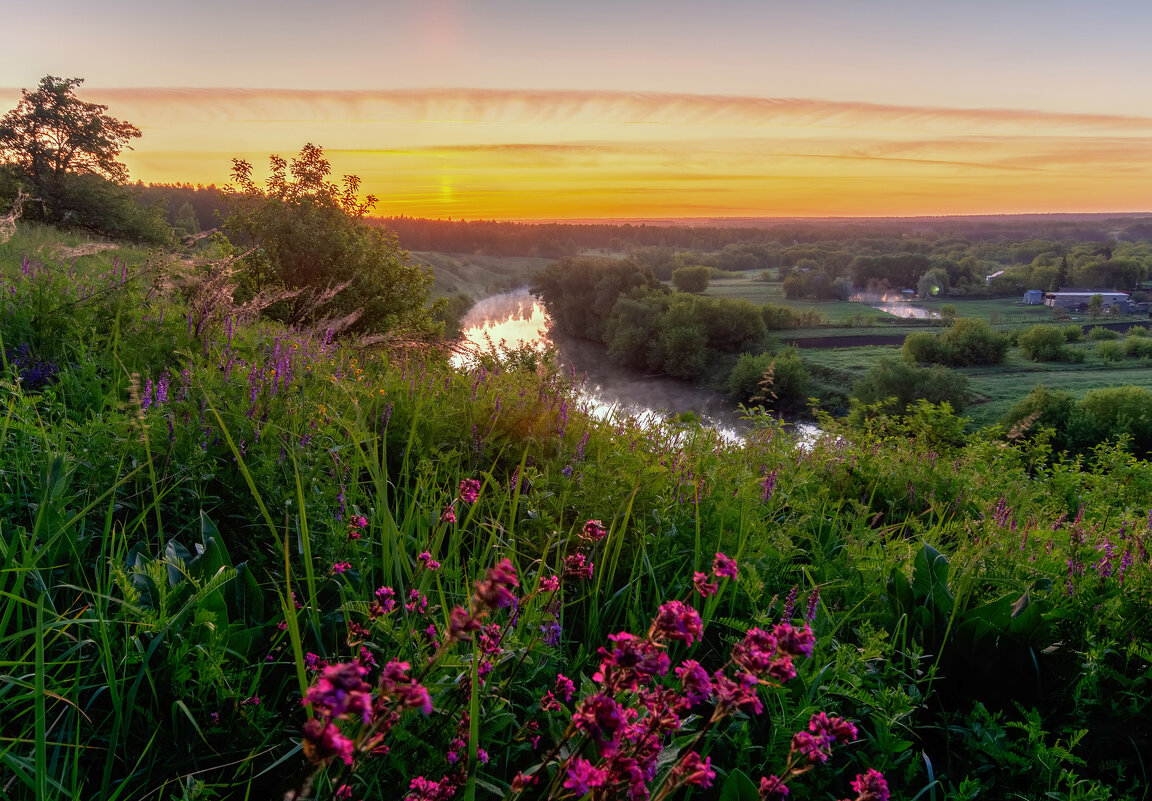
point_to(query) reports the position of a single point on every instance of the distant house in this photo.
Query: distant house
(1080, 300)
(997, 274)
(1033, 297)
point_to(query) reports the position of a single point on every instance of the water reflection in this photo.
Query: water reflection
(517, 318)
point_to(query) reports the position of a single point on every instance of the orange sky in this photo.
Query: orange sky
(633, 108)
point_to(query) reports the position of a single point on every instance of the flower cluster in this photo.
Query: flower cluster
(722, 567)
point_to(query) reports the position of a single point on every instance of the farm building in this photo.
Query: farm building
(1081, 299)
(1033, 297)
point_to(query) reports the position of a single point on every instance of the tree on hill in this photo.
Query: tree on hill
(309, 234)
(65, 151)
(693, 278)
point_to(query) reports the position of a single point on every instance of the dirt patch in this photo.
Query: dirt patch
(86, 249)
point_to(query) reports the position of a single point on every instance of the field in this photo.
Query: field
(478, 275)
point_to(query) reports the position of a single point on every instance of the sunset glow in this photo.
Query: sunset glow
(689, 147)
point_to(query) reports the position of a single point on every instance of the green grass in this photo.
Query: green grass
(748, 286)
(163, 567)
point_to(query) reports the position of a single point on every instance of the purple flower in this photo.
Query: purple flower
(323, 741)
(677, 621)
(549, 584)
(694, 681)
(340, 567)
(594, 530)
(551, 631)
(724, 566)
(564, 687)
(469, 490)
(870, 786)
(772, 788)
(703, 586)
(813, 604)
(448, 515)
(582, 776)
(426, 560)
(342, 692)
(576, 565)
(495, 591)
(600, 717)
(695, 770)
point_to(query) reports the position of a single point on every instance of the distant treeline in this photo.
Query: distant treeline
(558, 239)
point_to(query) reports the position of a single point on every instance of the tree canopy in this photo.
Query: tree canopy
(51, 133)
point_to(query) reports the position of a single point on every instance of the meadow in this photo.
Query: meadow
(247, 561)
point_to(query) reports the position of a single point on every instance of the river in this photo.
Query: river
(517, 318)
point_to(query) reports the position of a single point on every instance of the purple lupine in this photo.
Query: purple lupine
(767, 486)
(790, 603)
(813, 604)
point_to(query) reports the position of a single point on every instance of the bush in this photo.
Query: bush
(1111, 351)
(777, 381)
(310, 236)
(692, 279)
(1138, 331)
(1072, 333)
(968, 342)
(892, 387)
(1043, 343)
(1138, 346)
(1099, 333)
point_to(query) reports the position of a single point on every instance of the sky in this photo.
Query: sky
(551, 109)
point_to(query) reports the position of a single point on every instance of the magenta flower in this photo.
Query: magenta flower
(469, 490)
(495, 591)
(359, 521)
(695, 770)
(448, 515)
(724, 566)
(323, 741)
(794, 641)
(870, 786)
(703, 586)
(577, 566)
(583, 776)
(694, 681)
(425, 559)
(600, 717)
(772, 788)
(594, 530)
(550, 584)
(461, 624)
(677, 621)
(737, 694)
(341, 692)
(564, 687)
(340, 567)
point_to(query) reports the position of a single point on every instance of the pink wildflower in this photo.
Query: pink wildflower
(583, 776)
(677, 621)
(340, 567)
(594, 530)
(469, 490)
(870, 786)
(549, 584)
(425, 559)
(495, 591)
(703, 586)
(724, 566)
(772, 788)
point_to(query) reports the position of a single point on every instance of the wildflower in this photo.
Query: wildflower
(421, 789)
(549, 584)
(600, 717)
(694, 681)
(461, 624)
(794, 641)
(522, 781)
(767, 485)
(384, 602)
(343, 792)
(813, 604)
(340, 567)
(551, 632)
(448, 515)
(564, 686)
(790, 603)
(823, 732)
(594, 531)
(426, 560)
(772, 788)
(724, 566)
(582, 776)
(495, 591)
(737, 694)
(703, 586)
(677, 621)
(870, 786)
(323, 741)
(359, 521)
(576, 565)
(469, 490)
(417, 602)
(695, 770)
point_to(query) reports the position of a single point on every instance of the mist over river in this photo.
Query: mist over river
(518, 317)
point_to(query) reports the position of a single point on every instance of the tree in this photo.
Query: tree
(65, 151)
(52, 133)
(1095, 305)
(310, 234)
(694, 278)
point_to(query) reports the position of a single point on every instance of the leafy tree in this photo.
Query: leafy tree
(310, 234)
(971, 341)
(65, 150)
(52, 133)
(580, 293)
(1095, 305)
(692, 279)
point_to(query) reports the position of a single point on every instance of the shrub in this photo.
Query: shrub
(1099, 333)
(777, 381)
(1138, 331)
(1043, 343)
(694, 278)
(310, 236)
(1138, 346)
(892, 387)
(1072, 333)
(1111, 351)
(966, 343)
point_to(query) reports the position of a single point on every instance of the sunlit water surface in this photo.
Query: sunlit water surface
(517, 318)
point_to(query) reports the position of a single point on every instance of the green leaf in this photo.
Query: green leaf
(738, 787)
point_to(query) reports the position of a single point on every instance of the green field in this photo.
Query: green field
(748, 286)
